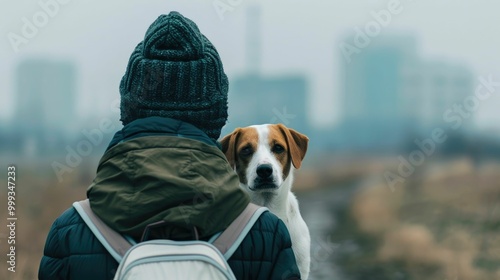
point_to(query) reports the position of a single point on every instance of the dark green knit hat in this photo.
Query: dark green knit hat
(176, 73)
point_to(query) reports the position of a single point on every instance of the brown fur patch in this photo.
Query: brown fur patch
(297, 144)
(239, 147)
(249, 138)
(276, 137)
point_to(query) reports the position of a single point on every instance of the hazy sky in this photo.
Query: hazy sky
(297, 37)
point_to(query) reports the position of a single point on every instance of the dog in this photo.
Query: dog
(264, 157)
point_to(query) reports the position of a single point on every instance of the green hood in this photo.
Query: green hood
(184, 182)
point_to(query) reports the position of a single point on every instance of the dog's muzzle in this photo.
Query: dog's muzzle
(264, 178)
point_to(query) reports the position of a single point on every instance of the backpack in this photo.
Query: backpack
(169, 259)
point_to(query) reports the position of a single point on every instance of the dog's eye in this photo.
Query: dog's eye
(246, 151)
(277, 148)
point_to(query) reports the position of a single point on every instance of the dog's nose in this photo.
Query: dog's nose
(264, 170)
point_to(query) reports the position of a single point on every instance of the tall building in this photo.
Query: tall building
(45, 105)
(46, 93)
(257, 99)
(372, 81)
(390, 94)
(373, 116)
(431, 87)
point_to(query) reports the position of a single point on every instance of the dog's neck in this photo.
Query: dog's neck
(276, 202)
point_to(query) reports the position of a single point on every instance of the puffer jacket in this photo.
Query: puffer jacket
(164, 158)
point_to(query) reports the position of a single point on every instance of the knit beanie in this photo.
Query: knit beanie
(175, 72)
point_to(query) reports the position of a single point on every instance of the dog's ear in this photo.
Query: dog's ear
(297, 144)
(228, 144)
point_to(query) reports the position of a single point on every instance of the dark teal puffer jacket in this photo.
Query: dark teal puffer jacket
(73, 252)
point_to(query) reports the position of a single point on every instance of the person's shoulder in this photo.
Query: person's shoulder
(269, 222)
(265, 250)
(68, 218)
(70, 235)
(66, 224)
(71, 249)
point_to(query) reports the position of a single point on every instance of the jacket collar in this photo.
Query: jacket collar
(160, 126)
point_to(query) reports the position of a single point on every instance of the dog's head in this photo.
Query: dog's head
(263, 155)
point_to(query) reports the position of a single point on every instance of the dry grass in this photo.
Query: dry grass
(39, 201)
(443, 225)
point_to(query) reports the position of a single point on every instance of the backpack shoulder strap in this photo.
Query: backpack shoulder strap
(233, 235)
(117, 245)
(114, 242)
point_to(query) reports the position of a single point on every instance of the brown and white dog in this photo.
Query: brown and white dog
(264, 157)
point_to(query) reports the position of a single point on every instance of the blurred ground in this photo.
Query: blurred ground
(39, 200)
(443, 223)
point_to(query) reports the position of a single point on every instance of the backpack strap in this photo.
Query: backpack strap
(233, 235)
(114, 242)
(117, 245)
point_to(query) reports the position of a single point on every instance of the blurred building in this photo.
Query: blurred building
(372, 82)
(46, 94)
(45, 105)
(432, 87)
(258, 99)
(391, 95)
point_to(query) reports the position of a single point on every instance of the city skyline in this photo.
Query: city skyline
(303, 40)
(392, 94)
(358, 100)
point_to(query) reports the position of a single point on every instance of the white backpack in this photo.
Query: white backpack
(168, 259)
